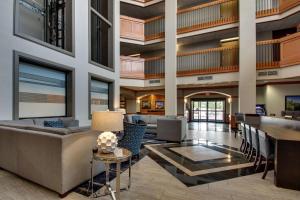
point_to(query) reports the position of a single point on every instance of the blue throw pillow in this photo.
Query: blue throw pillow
(54, 124)
(136, 119)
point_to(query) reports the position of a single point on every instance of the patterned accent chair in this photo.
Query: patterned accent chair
(133, 136)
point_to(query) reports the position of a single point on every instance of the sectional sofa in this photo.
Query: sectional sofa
(169, 128)
(56, 158)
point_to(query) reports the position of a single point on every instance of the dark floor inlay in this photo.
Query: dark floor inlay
(236, 158)
(202, 179)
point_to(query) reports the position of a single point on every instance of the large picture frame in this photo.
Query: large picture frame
(292, 103)
(146, 104)
(159, 105)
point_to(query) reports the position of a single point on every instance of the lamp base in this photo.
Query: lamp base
(107, 142)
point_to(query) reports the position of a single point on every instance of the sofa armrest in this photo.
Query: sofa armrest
(76, 156)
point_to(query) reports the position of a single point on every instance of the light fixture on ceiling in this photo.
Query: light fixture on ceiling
(135, 55)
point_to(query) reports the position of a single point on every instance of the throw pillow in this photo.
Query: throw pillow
(54, 124)
(135, 119)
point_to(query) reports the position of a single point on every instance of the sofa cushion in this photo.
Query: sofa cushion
(58, 131)
(40, 121)
(79, 129)
(22, 122)
(69, 122)
(171, 117)
(54, 124)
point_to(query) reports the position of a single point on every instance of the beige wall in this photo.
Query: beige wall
(275, 96)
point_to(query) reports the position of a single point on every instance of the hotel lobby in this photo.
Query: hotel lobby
(150, 99)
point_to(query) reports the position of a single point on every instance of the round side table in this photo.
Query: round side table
(117, 157)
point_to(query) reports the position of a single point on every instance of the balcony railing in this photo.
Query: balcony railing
(155, 67)
(209, 61)
(207, 15)
(155, 28)
(132, 67)
(199, 17)
(270, 54)
(272, 7)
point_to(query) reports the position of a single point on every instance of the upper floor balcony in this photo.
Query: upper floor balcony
(271, 54)
(203, 16)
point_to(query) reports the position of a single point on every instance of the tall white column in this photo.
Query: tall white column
(170, 57)
(247, 74)
(116, 53)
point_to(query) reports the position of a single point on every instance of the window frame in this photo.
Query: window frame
(70, 81)
(24, 36)
(111, 24)
(111, 85)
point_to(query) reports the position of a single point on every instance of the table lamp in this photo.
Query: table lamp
(106, 122)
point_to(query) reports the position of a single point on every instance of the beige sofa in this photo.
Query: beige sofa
(173, 130)
(58, 159)
(169, 128)
(151, 121)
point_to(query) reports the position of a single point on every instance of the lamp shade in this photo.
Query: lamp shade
(107, 121)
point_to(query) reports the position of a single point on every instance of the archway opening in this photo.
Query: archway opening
(208, 106)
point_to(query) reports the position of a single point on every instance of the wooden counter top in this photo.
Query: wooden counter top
(279, 132)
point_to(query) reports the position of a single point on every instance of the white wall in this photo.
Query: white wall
(9, 43)
(275, 96)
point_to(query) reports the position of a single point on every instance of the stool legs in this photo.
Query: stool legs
(266, 168)
(256, 158)
(259, 162)
(251, 154)
(242, 145)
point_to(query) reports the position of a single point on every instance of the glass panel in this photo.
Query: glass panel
(195, 105)
(203, 105)
(48, 21)
(102, 7)
(196, 115)
(99, 96)
(211, 105)
(204, 115)
(220, 116)
(42, 92)
(101, 34)
(220, 105)
(211, 115)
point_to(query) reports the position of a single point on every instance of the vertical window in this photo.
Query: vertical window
(99, 95)
(48, 21)
(101, 32)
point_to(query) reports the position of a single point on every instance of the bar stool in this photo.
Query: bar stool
(249, 141)
(244, 140)
(266, 151)
(255, 144)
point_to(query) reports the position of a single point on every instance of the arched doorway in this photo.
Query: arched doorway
(208, 106)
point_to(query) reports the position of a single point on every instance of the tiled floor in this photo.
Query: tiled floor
(152, 182)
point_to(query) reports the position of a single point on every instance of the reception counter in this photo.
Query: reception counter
(286, 136)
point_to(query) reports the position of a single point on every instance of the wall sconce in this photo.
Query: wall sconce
(185, 101)
(138, 101)
(229, 100)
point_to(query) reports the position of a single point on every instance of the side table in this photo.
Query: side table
(117, 157)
